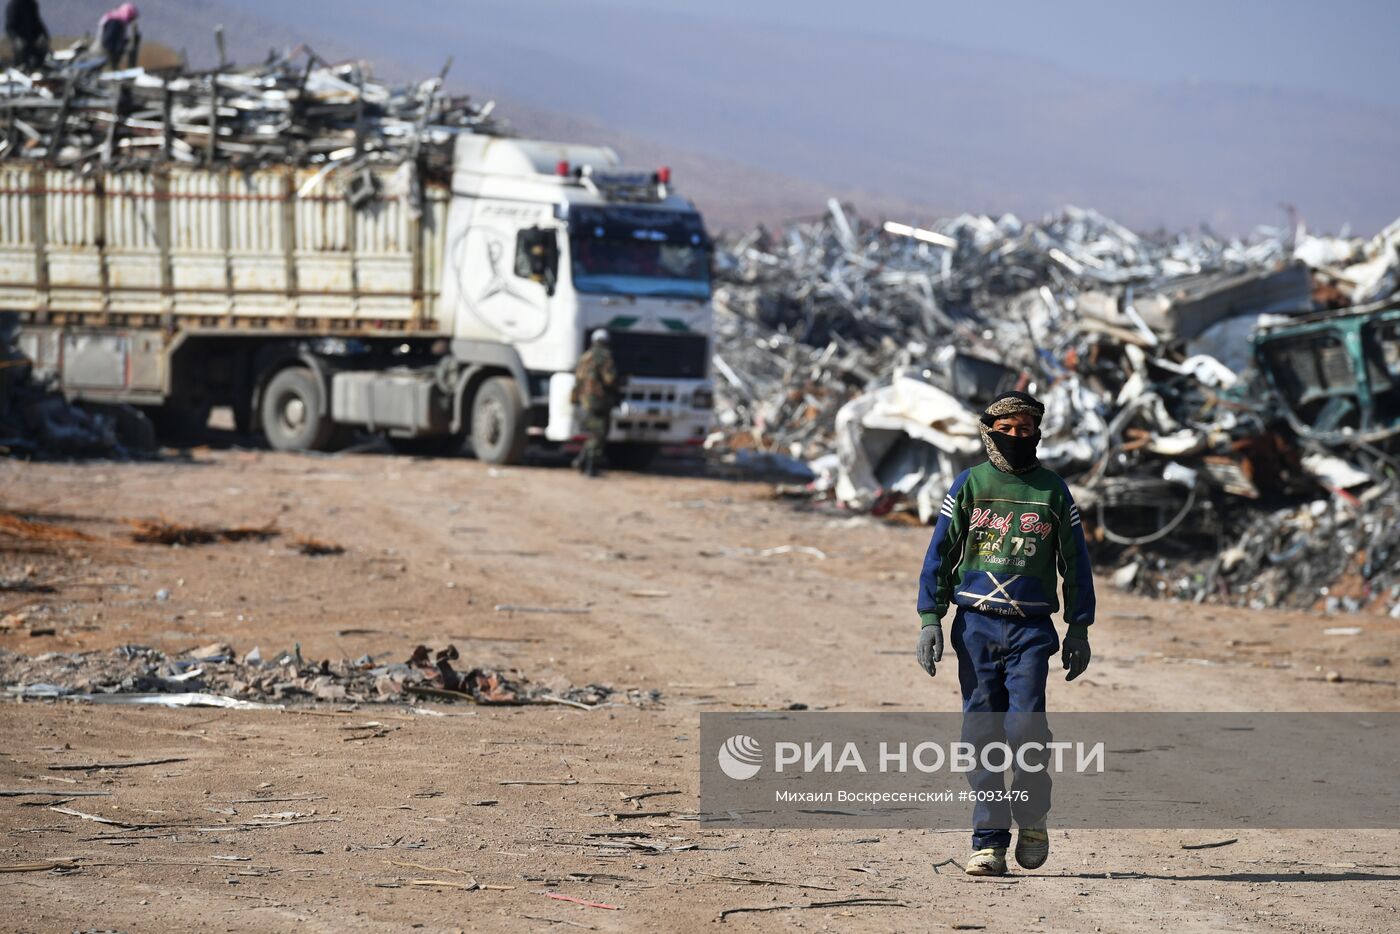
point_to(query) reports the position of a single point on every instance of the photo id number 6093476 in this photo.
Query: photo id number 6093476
(994, 795)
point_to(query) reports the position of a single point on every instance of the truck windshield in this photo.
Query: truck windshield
(632, 251)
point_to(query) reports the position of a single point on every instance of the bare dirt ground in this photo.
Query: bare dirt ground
(433, 548)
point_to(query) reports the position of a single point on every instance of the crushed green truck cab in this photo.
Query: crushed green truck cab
(1336, 374)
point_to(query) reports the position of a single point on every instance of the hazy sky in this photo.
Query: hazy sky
(1343, 47)
(1229, 112)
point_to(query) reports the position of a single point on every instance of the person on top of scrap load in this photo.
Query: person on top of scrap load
(29, 37)
(595, 391)
(1004, 529)
(117, 33)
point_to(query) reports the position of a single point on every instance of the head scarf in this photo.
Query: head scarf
(1007, 453)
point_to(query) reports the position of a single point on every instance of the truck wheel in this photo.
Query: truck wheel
(498, 422)
(291, 412)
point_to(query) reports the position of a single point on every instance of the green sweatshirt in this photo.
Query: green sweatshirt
(1000, 543)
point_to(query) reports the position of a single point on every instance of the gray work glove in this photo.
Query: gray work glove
(930, 643)
(1075, 652)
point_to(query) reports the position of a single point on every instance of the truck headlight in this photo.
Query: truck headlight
(702, 399)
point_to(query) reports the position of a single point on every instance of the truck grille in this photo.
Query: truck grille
(679, 356)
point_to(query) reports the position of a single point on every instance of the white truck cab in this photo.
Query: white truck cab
(547, 242)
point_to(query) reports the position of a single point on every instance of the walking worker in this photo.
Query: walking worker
(117, 33)
(595, 392)
(1004, 530)
(29, 37)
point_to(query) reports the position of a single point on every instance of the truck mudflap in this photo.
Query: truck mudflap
(652, 411)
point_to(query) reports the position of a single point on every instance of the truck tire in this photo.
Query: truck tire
(291, 412)
(498, 422)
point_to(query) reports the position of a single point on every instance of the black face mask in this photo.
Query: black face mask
(1018, 452)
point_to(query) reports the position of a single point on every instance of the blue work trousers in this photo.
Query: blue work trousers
(1003, 662)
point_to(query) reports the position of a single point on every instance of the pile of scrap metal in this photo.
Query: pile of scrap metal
(292, 109)
(1199, 391)
(37, 422)
(214, 675)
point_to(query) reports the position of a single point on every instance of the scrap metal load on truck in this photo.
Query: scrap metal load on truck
(380, 260)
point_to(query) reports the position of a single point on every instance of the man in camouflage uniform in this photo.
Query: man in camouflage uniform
(595, 392)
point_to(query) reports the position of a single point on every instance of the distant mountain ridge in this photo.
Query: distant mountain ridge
(763, 122)
(732, 195)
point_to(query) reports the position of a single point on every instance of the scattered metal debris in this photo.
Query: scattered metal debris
(315, 548)
(123, 764)
(40, 865)
(183, 699)
(17, 527)
(294, 108)
(1214, 844)
(558, 896)
(858, 902)
(162, 532)
(213, 676)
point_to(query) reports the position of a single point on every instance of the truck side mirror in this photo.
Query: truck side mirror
(537, 256)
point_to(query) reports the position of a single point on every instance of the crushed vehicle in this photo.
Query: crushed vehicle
(1337, 373)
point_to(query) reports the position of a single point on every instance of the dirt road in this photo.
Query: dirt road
(394, 822)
